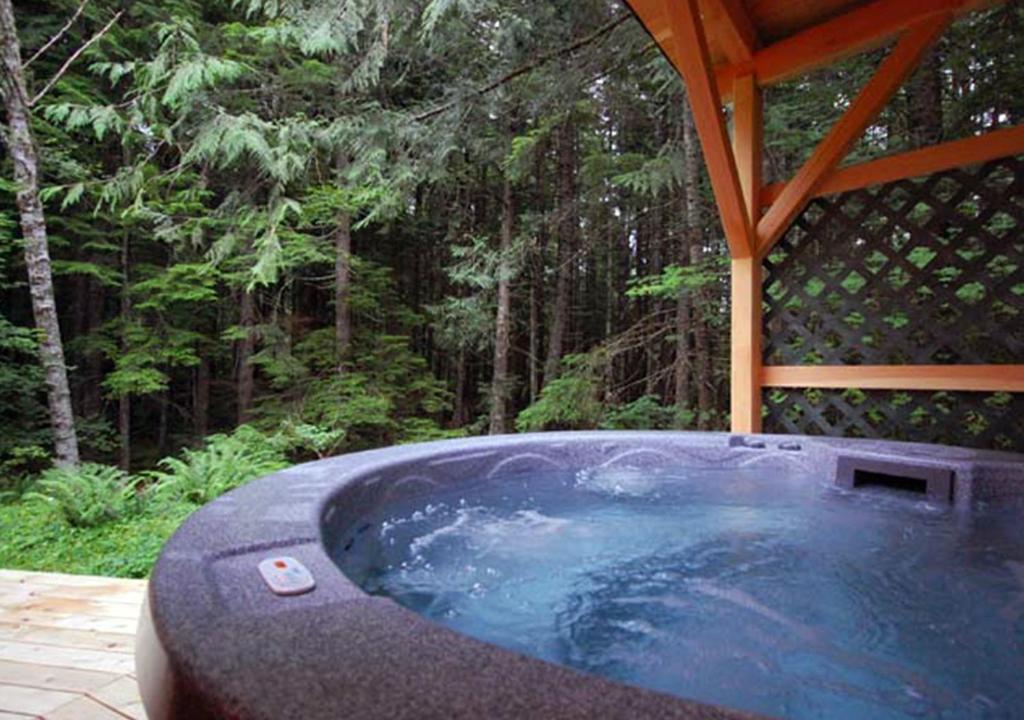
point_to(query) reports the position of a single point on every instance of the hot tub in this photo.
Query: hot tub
(606, 574)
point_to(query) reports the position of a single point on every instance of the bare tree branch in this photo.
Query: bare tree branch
(74, 56)
(58, 36)
(529, 67)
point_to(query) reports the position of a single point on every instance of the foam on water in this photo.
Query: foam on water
(774, 594)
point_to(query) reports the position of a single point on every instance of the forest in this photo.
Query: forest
(236, 234)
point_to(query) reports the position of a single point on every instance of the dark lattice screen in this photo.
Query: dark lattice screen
(915, 272)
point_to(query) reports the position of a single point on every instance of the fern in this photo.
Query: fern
(226, 462)
(88, 495)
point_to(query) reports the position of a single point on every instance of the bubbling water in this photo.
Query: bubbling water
(773, 594)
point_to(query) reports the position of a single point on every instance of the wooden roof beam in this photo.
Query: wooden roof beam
(694, 64)
(974, 150)
(729, 22)
(865, 28)
(896, 67)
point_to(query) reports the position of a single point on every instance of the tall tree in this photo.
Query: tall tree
(502, 323)
(695, 214)
(925, 98)
(343, 287)
(566, 223)
(22, 147)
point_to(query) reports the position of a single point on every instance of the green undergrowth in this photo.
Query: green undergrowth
(34, 535)
(96, 519)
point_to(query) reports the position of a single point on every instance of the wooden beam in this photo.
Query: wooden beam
(748, 143)
(745, 326)
(860, 30)
(694, 65)
(977, 378)
(864, 108)
(745, 347)
(916, 163)
(728, 22)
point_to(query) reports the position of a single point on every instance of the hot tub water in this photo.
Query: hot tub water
(775, 594)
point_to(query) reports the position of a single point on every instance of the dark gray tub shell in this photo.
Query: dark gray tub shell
(231, 649)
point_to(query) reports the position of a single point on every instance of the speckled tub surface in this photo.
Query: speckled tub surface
(229, 648)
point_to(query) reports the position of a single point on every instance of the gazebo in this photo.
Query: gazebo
(853, 227)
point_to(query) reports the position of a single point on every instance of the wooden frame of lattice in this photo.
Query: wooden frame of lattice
(716, 47)
(910, 285)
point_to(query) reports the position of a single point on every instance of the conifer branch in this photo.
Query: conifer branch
(530, 66)
(58, 36)
(74, 56)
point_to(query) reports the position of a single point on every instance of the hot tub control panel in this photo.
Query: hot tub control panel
(286, 576)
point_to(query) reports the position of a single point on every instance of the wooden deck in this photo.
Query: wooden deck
(66, 647)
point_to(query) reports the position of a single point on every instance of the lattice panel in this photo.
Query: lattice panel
(928, 271)
(982, 420)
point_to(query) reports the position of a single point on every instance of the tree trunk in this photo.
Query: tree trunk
(124, 429)
(702, 346)
(343, 288)
(567, 226)
(925, 98)
(163, 403)
(201, 398)
(124, 402)
(695, 220)
(534, 339)
(499, 383)
(654, 304)
(537, 274)
(37, 252)
(459, 418)
(683, 367)
(92, 403)
(246, 378)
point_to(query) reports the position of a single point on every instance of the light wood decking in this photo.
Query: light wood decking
(66, 647)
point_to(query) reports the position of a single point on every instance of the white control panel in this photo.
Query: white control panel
(286, 576)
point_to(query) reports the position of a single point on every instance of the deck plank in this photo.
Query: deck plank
(122, 695)
(63, 637)
(112, 593)
(67, 647)
(47, 677)
(66, 657)
(69, 606)
(84, 708)
(70, 621)
(32, 701)
(60, 579)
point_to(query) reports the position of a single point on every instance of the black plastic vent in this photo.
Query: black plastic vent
(866, 478)
(935, 483)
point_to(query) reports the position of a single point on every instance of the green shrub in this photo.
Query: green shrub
(644, 413)
(226, 462)
(387, 394)
(88, 495)
(570, 401)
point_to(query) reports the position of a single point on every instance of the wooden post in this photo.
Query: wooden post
(748, 132)
(694, 64)
(745, 383)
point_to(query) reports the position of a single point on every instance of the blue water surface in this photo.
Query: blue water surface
(765, 592)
